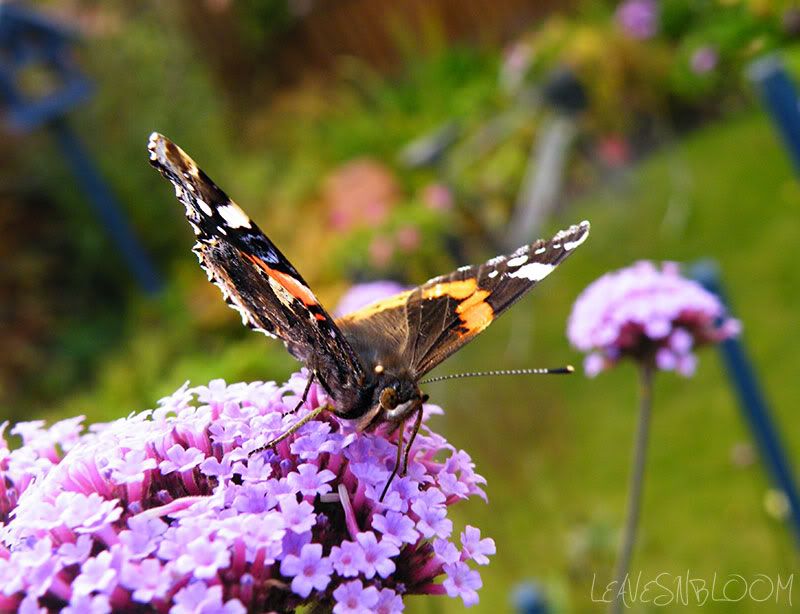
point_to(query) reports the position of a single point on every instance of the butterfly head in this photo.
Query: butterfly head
(392, 397)
(398, 399)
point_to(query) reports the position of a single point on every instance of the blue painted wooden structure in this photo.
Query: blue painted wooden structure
(780, 98)
(31, 43)
(753, 402)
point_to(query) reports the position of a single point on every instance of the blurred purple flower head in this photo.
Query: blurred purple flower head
(638, 18)
(165, 509)
(361, 295)
(654, 316)
(437, 197)
(704, 60)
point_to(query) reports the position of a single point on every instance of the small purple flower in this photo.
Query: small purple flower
(446, 551)
(638, 18)
(197, 598)
(476, 548)
(396, 528)
(131, 468)
(76, 552)
(377, 555)
(203, 558)
(348, 559)
(180, 459)
(30, 605)
(96, 575)
(142, 537)
(85, 604)
(704, 60)
(462, 582)
(353, 598)
(361, 295)
(389, 602)
(299, 517)
(310, 571)
(654, 316)
(146, 579)
(214, 468)
(433, 519)
(309, 481)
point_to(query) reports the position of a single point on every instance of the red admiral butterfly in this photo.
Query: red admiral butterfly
(370, 361)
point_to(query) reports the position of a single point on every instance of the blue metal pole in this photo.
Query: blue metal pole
(779, 96)
(106, 206)
(752, 402)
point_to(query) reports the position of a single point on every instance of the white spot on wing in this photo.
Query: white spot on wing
(234, 216)
(204, 207)
(535, 271)
(518, 260)
(493, 274)
(570, 245)
(541, 250)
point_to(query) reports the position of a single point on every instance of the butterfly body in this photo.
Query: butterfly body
(370, 361)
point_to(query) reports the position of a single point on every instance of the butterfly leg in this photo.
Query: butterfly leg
(305, 393)
(396, 462)
(292, 429)
(417, 424)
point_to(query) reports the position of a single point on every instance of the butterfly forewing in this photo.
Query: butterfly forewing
(256, 279)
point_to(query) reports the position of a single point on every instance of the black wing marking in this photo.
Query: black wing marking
(256, 279)
(418, 329)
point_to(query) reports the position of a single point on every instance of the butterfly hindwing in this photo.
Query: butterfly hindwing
(256, 279)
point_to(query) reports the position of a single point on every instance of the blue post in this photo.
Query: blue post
(752, 401)
(528, 598)
(779, 96)
(105, 205)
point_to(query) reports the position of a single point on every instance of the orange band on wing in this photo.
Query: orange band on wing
(454, 289)
(292, 286)
(475, 313)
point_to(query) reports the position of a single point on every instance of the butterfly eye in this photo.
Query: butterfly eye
(388, 398)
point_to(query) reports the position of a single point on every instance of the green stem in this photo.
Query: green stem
(636, 485)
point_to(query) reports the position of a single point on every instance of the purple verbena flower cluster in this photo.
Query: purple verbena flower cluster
(655, 316)
(166, 509)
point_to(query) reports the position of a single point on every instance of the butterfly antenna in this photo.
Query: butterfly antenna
(557, 371)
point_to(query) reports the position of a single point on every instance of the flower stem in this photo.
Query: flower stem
(636, 485)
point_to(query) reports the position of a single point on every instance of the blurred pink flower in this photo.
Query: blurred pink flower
(704, 60)
(438, 197)
(408, 238)
(516, 62)
(614, 151)
(381, 250)
(360, 193)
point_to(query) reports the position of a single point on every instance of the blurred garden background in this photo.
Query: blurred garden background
(377, 140)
